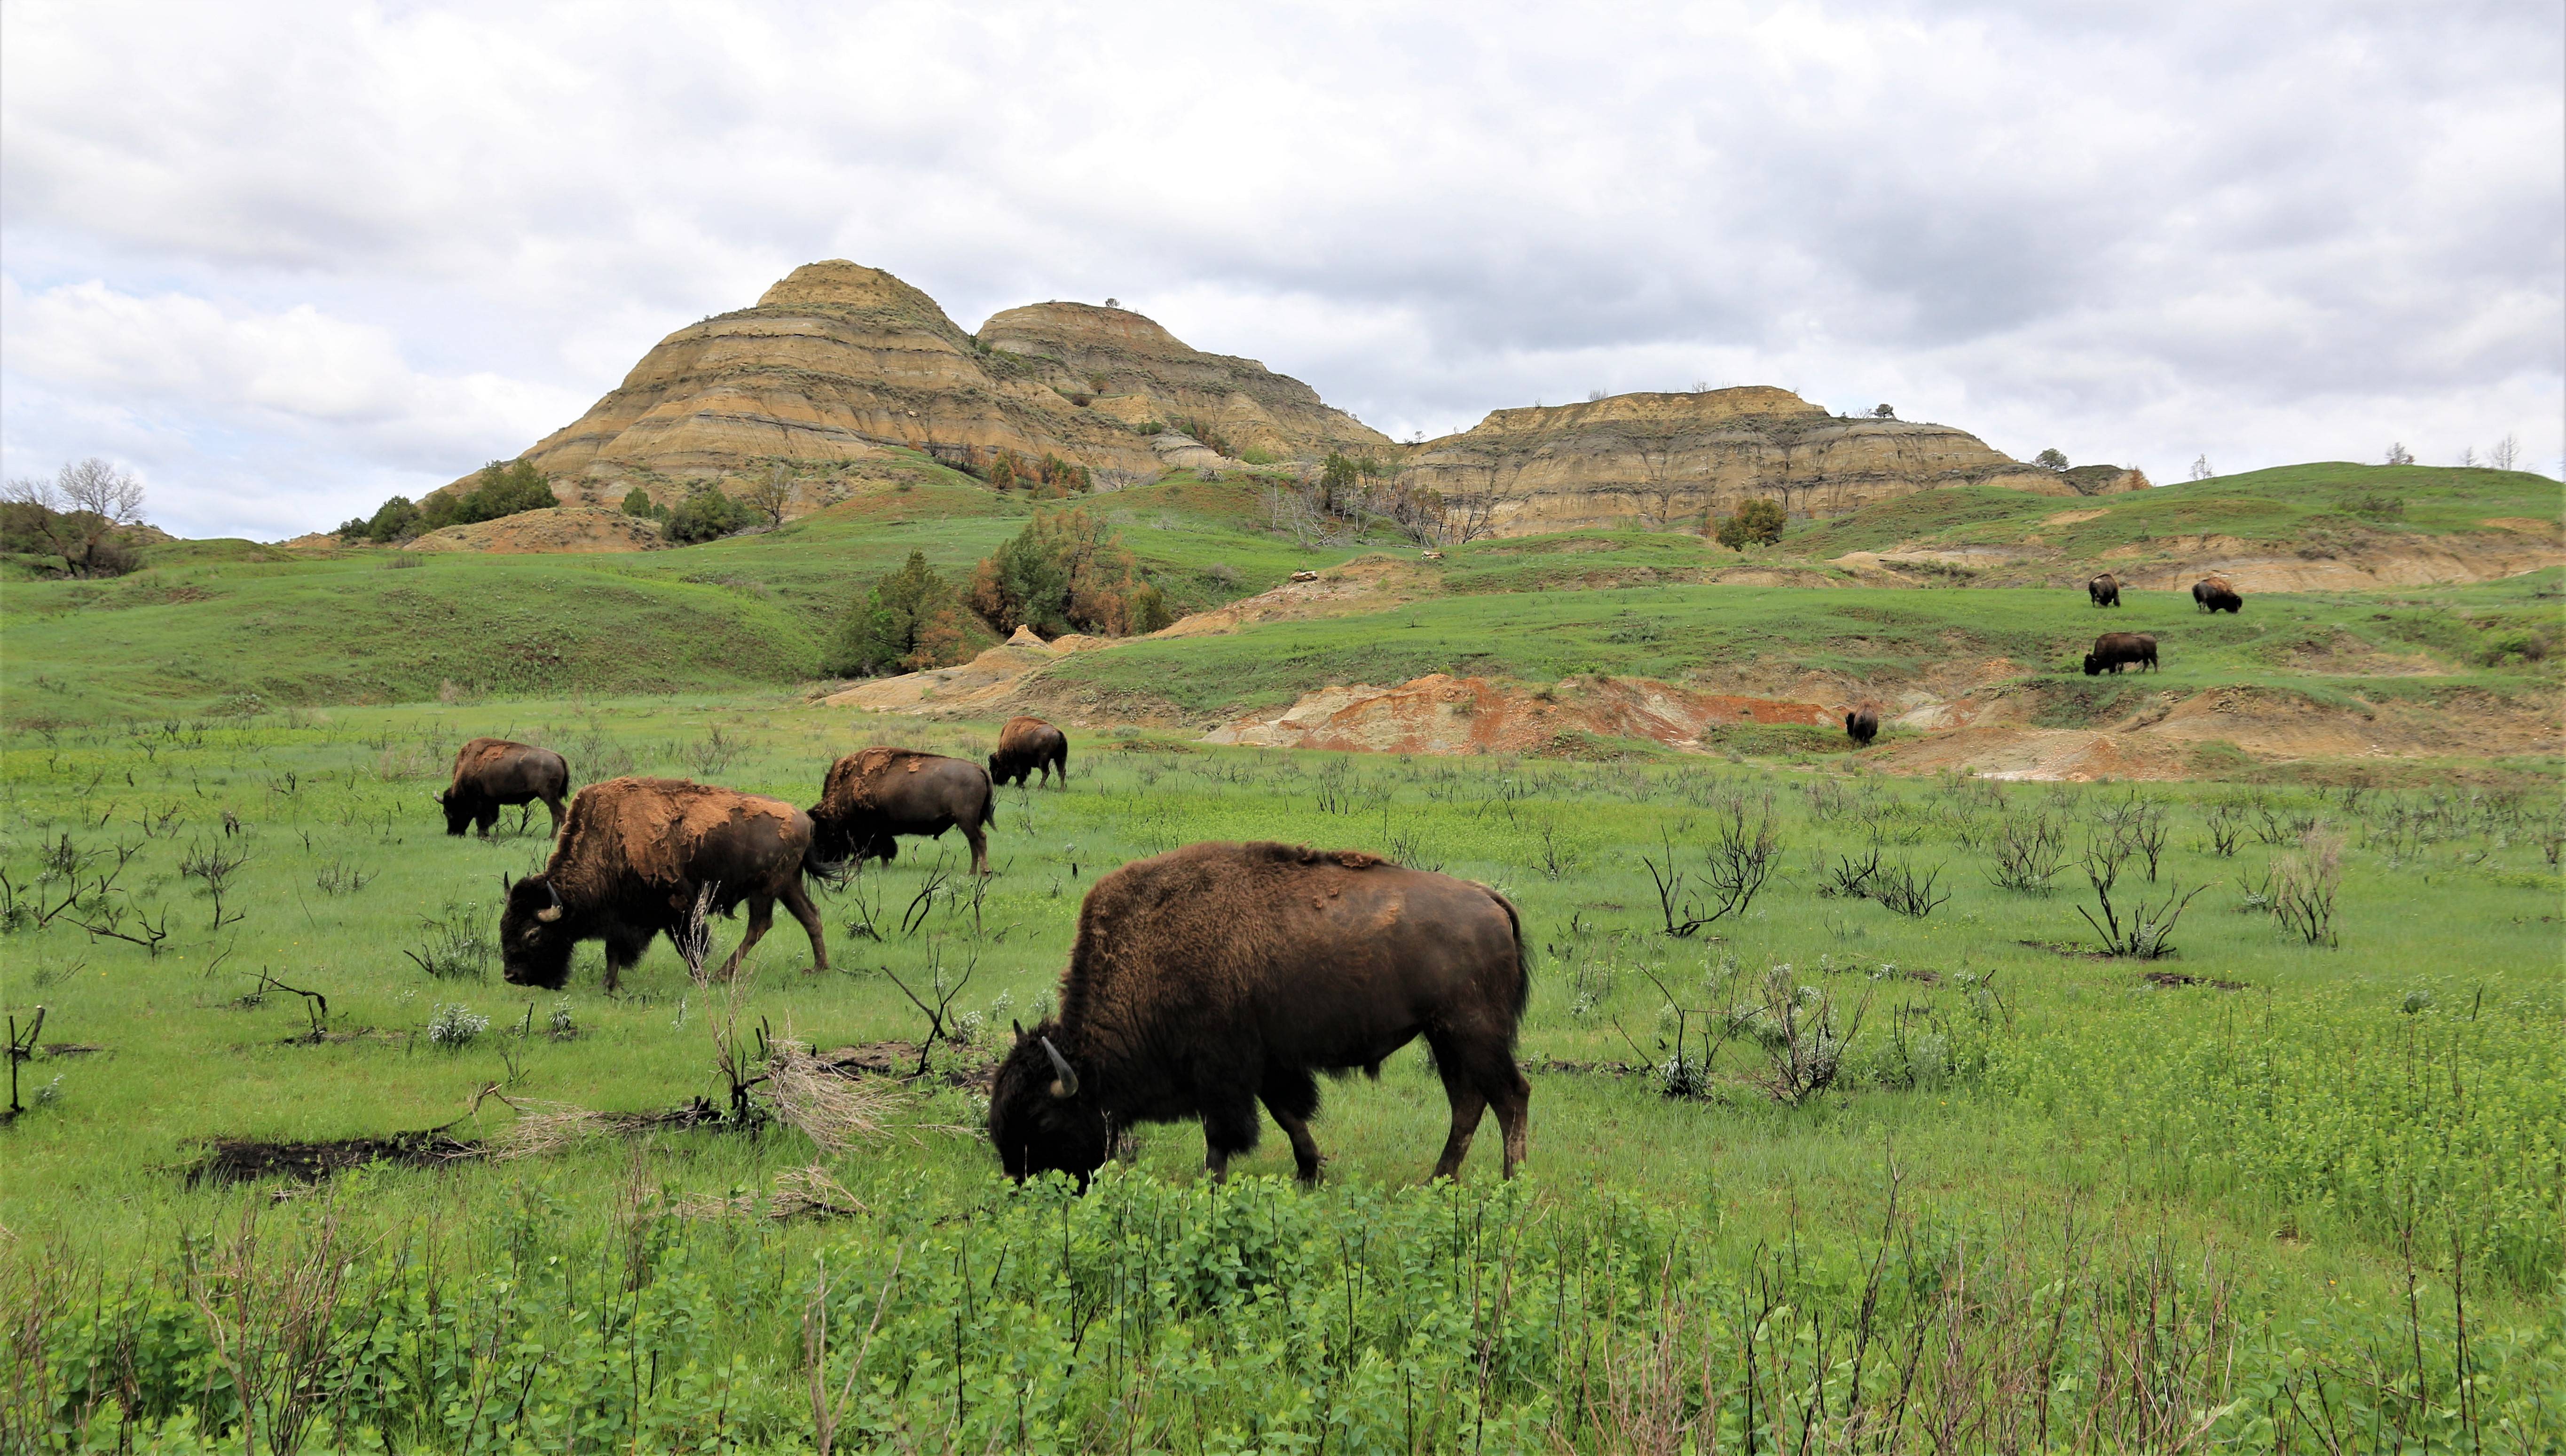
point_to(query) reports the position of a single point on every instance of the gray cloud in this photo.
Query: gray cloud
(291, 259)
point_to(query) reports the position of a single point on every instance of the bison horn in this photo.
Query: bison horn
(1066, 1084)
(553, 911)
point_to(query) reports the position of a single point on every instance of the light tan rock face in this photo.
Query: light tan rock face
(834, 363)
(1661, 460)
(1140, 372)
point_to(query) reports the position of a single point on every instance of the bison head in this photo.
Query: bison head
(1040, 1117)
(2093, 665)
(534, 940)
(458, 810)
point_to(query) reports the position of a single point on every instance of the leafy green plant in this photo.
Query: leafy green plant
(909, 620)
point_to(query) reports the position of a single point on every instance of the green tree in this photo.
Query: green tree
(505, 487)
(638, 503)
(1758, 523)
(910, 621)
(706, 514)
(1067, 572)
(2050, 461)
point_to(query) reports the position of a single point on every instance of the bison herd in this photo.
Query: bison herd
(1203, 983)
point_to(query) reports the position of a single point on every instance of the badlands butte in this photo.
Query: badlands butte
(1559, 593)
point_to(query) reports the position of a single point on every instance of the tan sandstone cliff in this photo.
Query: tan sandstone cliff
(1677, 461)
(1139, 373)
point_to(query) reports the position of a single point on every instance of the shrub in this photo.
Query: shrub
(79, 518)
(1758, 523)
(638, 503)
(505, 488)
(910, 621)
(395, 520)
(1066, 570)
(706, 514)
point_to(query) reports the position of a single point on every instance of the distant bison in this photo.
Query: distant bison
(1861, 725)
(2115, 650)
(871, 796)
(2214, 593)
(2105, 590)
(492, 772)
(631, 861)
(1026, 747)
(1218, 976)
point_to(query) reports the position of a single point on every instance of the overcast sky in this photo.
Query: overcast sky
(283, 261)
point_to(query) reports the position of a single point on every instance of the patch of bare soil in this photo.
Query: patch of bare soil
(901, 1059)
(243, 1161)
(2175, 979)
(978, 688)
(576, 529)
(2379, 559)
(1367, 584)
(1473, 715)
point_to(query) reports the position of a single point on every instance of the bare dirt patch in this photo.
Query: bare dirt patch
(243, 1161)
(576, 529)
(1441, 714)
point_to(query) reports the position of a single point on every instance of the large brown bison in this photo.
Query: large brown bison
(492, 772)
(2105, 590)
(1026, 747)
(1861, 725)
(629, 864)
(1218, 976)
(2115, 650)
(871, 796)
(2215, 594)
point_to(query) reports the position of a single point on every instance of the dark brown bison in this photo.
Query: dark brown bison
(871, 796)
(492, 772)
(2105, 590)
(1026, 747)
(1861, 725)
(2115, 650)
(631, 861)
(2214, 593)
(1218, 976)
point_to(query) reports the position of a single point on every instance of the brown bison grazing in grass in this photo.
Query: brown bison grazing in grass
(871, 796)
(1218, 976)
(631, 861)
(1026, 747)
(2214, 593)
(490, 773)
(1861, 725)
(2115, 650)
(2105, 590)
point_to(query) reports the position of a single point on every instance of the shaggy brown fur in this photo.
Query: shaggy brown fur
(2215, 594)
(1215, 977)
(869, 797)
(2115, 650)
(628, 867)
(492, 772)
(2105, 590)
(1861, 725)
(1027, 746)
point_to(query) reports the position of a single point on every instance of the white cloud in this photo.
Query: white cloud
(385, 238)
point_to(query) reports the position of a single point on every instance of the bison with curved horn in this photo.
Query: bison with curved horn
(1027, 747)
(1215, 977)
(2115, 650)
(1861, 725)
(493, 772)
(2105, 590)
(2215, 595)
(869, 797)
(631, 863)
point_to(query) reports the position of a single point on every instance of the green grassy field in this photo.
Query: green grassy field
(2257, 1193)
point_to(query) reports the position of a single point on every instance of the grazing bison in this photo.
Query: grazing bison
(1218, 976)
(2115, 650)
(2214, 593)
(1026, 747)
(631, 861)
(1861, 725)
(2105, 590)
(492, 772)
(869, 797)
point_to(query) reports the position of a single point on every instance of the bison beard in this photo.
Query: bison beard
(1216, 977)
(630, 861)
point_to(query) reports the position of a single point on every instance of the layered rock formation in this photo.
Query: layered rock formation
(1140, 372)
(1677, 461)
(834, 363)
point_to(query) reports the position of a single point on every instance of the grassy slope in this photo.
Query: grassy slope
(2292, 504)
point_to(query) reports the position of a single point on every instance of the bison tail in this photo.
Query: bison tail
(1524, 964)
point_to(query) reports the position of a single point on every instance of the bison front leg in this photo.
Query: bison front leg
(623, 949)
(1291, 1107)
(799, 902)
(761, 914)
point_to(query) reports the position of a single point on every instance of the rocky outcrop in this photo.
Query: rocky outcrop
(1678, 460)
(1140, 372)
(834, 363)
